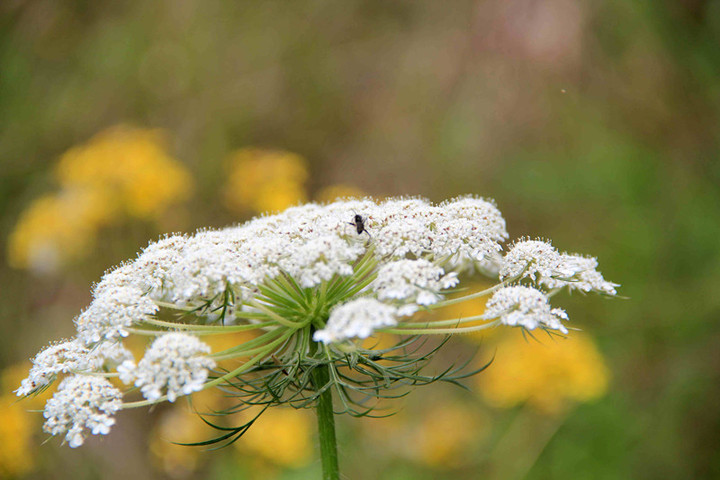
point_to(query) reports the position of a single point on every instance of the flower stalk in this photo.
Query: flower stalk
(326, 420)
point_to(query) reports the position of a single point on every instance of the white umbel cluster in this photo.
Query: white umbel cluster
(82, 402)
(540, 261)
(175, 363)
(356, 319)
(71, 356)
(524, 307)
(412, 283)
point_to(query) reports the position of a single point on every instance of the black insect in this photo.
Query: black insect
(359, 224)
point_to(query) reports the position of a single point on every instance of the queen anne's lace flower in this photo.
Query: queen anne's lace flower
(524, 307)
(286, 275)
(356, 319)
(82, 402)
(541, 262)
(310, 243)
(175, 362)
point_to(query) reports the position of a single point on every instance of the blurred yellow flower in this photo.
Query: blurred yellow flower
(17, 424)
(340, 190)
(468, 308)
(56, 229)
(10, 381)
(120, 172)
(438, 434)
(547, 375)
(281, 436)
(446, 434)
(181, 424)
(16, 445)
(265, 180)
(132, 165)
(379, 342)
(219, 343)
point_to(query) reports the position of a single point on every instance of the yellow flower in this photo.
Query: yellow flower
(339, 190)
(56, 229)
(219, 343)
(446, 434)
(547, 375)
(281, 436)
(468, 308)
(120, 172)
(177, 425)
(16, 427)
(443, 434)
(265, 180)
(133, 165)
(17, 424)
(10, 381)
(181, 424)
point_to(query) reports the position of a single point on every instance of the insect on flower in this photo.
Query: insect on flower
(359, 224)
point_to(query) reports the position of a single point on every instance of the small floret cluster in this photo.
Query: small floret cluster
(309, 286)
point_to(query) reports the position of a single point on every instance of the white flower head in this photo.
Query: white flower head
(402, 227)
(536, 259)
(356, 319)
(310, 271)
(542, 263)
(577, 272)
(155, 263)
(71, 356)
(118, 303)
(320, 258)
(462, 230)
(82, 402)
(472, 228)
(524, 307)
(176, 363)
(62, 357)
(412, 281)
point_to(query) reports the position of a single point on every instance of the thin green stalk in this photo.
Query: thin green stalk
(438, 331)
(282, 321)
(326, 420)
(482, 293)
(442, 323)
(207, 329)
(248, 348)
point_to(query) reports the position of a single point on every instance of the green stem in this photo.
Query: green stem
(438, 331)
(326, 420)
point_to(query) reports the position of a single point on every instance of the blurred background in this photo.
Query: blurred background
(592, 123)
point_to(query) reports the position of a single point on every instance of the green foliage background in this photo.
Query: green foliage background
(593, 123)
